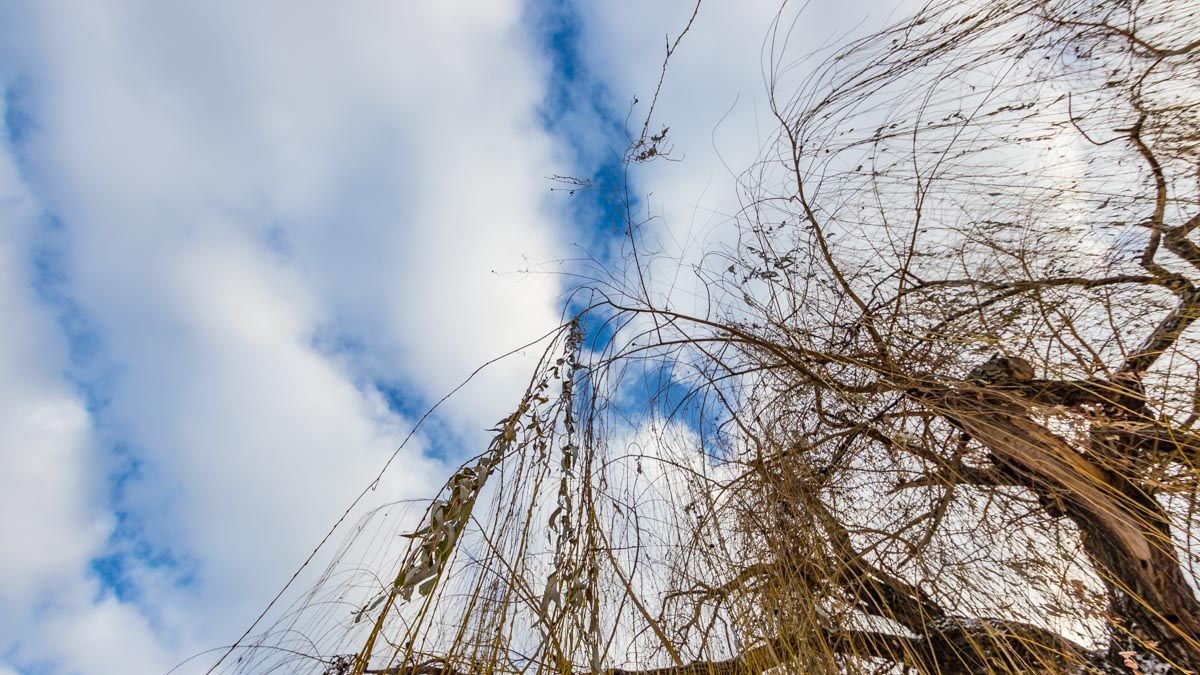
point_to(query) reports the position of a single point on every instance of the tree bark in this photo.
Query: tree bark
(1124, 530)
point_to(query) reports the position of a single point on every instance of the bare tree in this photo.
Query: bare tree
(935, 415)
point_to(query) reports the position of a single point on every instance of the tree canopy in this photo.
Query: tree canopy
(934, 411)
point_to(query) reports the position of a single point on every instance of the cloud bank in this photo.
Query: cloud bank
(243, 245)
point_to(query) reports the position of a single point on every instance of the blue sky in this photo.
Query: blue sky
(244, 245)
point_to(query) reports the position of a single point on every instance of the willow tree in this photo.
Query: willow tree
(935, 415)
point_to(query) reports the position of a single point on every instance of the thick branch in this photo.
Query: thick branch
(1121, 396)
(1125, 531)
(1166, 333)
(877, 592)
(966, 475)
(1154, 441)
(954, 647)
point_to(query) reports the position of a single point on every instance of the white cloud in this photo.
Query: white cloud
(105, 636)
(264, 209)
(52, 517)
(46, 445)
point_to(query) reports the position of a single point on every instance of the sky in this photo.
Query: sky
(244, 246)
